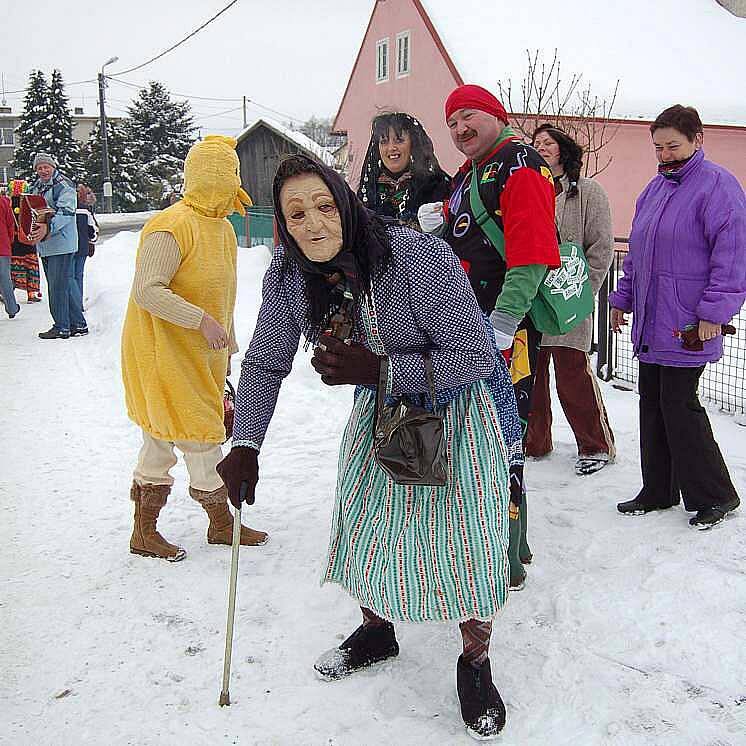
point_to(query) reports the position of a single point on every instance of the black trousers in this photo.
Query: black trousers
(677, 448)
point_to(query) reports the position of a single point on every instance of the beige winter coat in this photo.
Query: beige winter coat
(585, 219)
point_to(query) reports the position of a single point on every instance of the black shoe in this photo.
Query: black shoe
(482, 708)
(79, 332)
(13, 315)
(637, 506)
(54, 333)
(710, 517)
(365, 646)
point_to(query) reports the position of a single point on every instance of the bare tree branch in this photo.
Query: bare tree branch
(547, 97)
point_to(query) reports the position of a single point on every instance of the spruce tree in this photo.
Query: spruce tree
(65, 148)
(46, 127)
(162, 132)
(127, 173)
(34, 133)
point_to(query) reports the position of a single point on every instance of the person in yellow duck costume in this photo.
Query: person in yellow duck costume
(176, 346)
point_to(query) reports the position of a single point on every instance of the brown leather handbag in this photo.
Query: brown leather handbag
(409, 441)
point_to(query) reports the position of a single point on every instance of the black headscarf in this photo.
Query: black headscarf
(365, 244)
(427, 181)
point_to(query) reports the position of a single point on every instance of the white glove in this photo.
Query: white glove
(504, 326)
(430, 216)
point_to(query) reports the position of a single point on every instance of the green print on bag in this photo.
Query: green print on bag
(564, 297)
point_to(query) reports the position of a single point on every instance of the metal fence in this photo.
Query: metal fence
(256, 227)
(723, 382)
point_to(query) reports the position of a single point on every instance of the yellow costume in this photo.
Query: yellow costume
(173, 381)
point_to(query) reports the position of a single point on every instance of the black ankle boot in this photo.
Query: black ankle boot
(365, 646)
(481, 707)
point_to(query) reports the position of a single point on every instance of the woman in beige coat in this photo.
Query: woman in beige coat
(583, 216)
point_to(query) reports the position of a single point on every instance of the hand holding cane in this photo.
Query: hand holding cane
(225, 698)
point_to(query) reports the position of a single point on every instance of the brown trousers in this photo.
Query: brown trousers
(581, 402)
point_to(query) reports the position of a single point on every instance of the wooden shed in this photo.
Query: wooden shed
(261, 147)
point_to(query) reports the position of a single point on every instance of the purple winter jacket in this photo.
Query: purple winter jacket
(686, 261)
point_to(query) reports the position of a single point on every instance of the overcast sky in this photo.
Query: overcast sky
(295, 56)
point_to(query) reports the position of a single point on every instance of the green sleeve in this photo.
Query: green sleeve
(519, 289)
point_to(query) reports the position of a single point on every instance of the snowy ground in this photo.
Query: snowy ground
(630, 630)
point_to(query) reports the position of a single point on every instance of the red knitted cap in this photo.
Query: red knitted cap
(475, 97)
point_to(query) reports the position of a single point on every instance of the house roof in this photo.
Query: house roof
(655, 49)
(309, 146)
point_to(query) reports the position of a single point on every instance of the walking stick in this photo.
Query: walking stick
(225, 698)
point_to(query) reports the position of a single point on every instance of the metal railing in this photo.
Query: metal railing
(723, 382)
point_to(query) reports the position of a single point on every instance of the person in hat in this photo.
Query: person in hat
(57, 243)
(400, 171)
(405, 553)
(24, 263)
(516, 187)
(176, 346)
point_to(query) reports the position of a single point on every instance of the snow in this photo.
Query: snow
(629, 631)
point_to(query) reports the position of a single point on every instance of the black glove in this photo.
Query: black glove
(91, 249)
(239, 471)
(516, 484)
(340, 363)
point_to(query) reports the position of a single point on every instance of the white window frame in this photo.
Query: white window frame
(3, 141)
(400, 38)
(382, 66)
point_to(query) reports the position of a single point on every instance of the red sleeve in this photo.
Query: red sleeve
(8, 217)
(527, 206)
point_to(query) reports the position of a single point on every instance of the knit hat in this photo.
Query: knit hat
(211, 183)
(475, 97)
(44, 158)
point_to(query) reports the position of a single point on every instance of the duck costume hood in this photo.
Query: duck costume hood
(173, 381)
(212, 186)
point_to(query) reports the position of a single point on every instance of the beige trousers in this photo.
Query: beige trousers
(157, 457)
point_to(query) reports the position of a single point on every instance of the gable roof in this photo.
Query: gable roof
(305, 143)
(657, 62)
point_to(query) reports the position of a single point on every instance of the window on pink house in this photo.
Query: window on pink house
(382, 60)
(403, 54)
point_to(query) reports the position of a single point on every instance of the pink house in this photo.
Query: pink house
(405, 64)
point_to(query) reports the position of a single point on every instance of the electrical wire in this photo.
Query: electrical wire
(179, 43)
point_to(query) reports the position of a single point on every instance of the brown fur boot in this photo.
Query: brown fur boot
(149, 499)
(220, 530)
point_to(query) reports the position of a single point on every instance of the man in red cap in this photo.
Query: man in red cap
(516, 188)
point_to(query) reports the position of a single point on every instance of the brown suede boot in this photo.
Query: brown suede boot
(220, 530)
(146, 541)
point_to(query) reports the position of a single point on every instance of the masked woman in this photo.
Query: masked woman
(400, 172)
(404, 553)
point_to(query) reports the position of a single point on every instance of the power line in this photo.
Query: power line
(179, 43)
(178, 95)
(255, 104)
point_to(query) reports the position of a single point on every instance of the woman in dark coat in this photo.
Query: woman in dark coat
(400, 172)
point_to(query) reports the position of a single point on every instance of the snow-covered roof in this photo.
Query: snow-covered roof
(696, 60)
(302, 141)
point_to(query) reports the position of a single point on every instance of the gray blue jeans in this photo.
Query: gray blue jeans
(6, 287)
(65, 298)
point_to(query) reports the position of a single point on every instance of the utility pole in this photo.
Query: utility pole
(244, 112)
(104, 137)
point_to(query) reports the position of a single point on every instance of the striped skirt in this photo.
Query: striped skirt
(414, 553)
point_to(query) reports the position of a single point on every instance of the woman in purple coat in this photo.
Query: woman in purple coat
(685, 273)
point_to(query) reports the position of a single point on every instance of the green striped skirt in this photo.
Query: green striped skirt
(414, 553)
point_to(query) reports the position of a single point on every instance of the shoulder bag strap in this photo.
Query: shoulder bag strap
(488, 226)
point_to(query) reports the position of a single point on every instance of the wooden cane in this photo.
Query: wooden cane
(225, 698)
